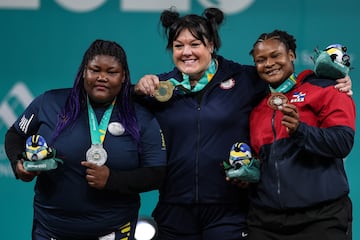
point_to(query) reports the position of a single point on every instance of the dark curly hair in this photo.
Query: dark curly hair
(282, 36)
(203, 27)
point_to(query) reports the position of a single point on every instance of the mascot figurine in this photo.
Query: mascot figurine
(36, 148)
(241, 165)
(332, 63)
(38, 156)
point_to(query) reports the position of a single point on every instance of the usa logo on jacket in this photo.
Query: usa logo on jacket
(230, 83)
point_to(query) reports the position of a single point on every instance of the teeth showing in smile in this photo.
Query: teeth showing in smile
(190, 61)
(273, 72)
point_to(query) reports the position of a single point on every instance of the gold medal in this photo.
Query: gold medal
(164, 92)
(276, 100)
(96, 154)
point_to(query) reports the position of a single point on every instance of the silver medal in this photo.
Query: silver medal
(96, 154)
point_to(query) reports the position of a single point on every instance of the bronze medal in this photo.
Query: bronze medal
(164, 92)
(96, 154)
(276, 100)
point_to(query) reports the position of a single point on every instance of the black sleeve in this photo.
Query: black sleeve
(14, 147)
(136, 181)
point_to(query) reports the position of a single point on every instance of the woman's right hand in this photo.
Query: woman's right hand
(147, 85)
(24, 175)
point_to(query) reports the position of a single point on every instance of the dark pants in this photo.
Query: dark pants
(329, 221)
(40, 233)
(200, 222)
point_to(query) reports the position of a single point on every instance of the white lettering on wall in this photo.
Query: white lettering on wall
(20, 4)
(154, 5)
(80, 5)
(228, 6)
(19, 95)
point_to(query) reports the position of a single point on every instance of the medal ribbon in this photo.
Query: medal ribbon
(185, 85)
(286, 86)
(98, 131)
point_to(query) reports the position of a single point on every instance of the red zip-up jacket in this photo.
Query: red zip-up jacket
(306, 168)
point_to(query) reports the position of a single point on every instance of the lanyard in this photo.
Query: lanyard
(204, 80)
(98, 131)
(286, 86)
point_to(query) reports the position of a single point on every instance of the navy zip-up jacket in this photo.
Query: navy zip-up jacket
(199, 130)
(306, 168)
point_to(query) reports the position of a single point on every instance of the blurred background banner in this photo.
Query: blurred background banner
(42, 42)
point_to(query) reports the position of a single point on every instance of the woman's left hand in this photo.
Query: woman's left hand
(291, 117)
(96, 176)
(344, 85)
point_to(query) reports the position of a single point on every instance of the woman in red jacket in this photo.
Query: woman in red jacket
(301, 131)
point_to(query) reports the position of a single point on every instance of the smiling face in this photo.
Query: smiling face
(103, 78)
(190, 55)
(273, 61)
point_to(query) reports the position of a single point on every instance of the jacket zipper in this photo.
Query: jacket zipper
(197, 156)
(273, 150)
(199, 100)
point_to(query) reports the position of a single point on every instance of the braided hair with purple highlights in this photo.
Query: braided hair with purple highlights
(76, 100)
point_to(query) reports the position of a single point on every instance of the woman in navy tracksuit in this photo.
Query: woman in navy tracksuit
(301, 132)
(83, 200)
(196, 202)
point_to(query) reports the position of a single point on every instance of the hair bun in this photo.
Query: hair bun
(214, 14)
(168, 17)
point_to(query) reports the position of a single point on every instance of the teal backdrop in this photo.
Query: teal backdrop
(42, 42)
